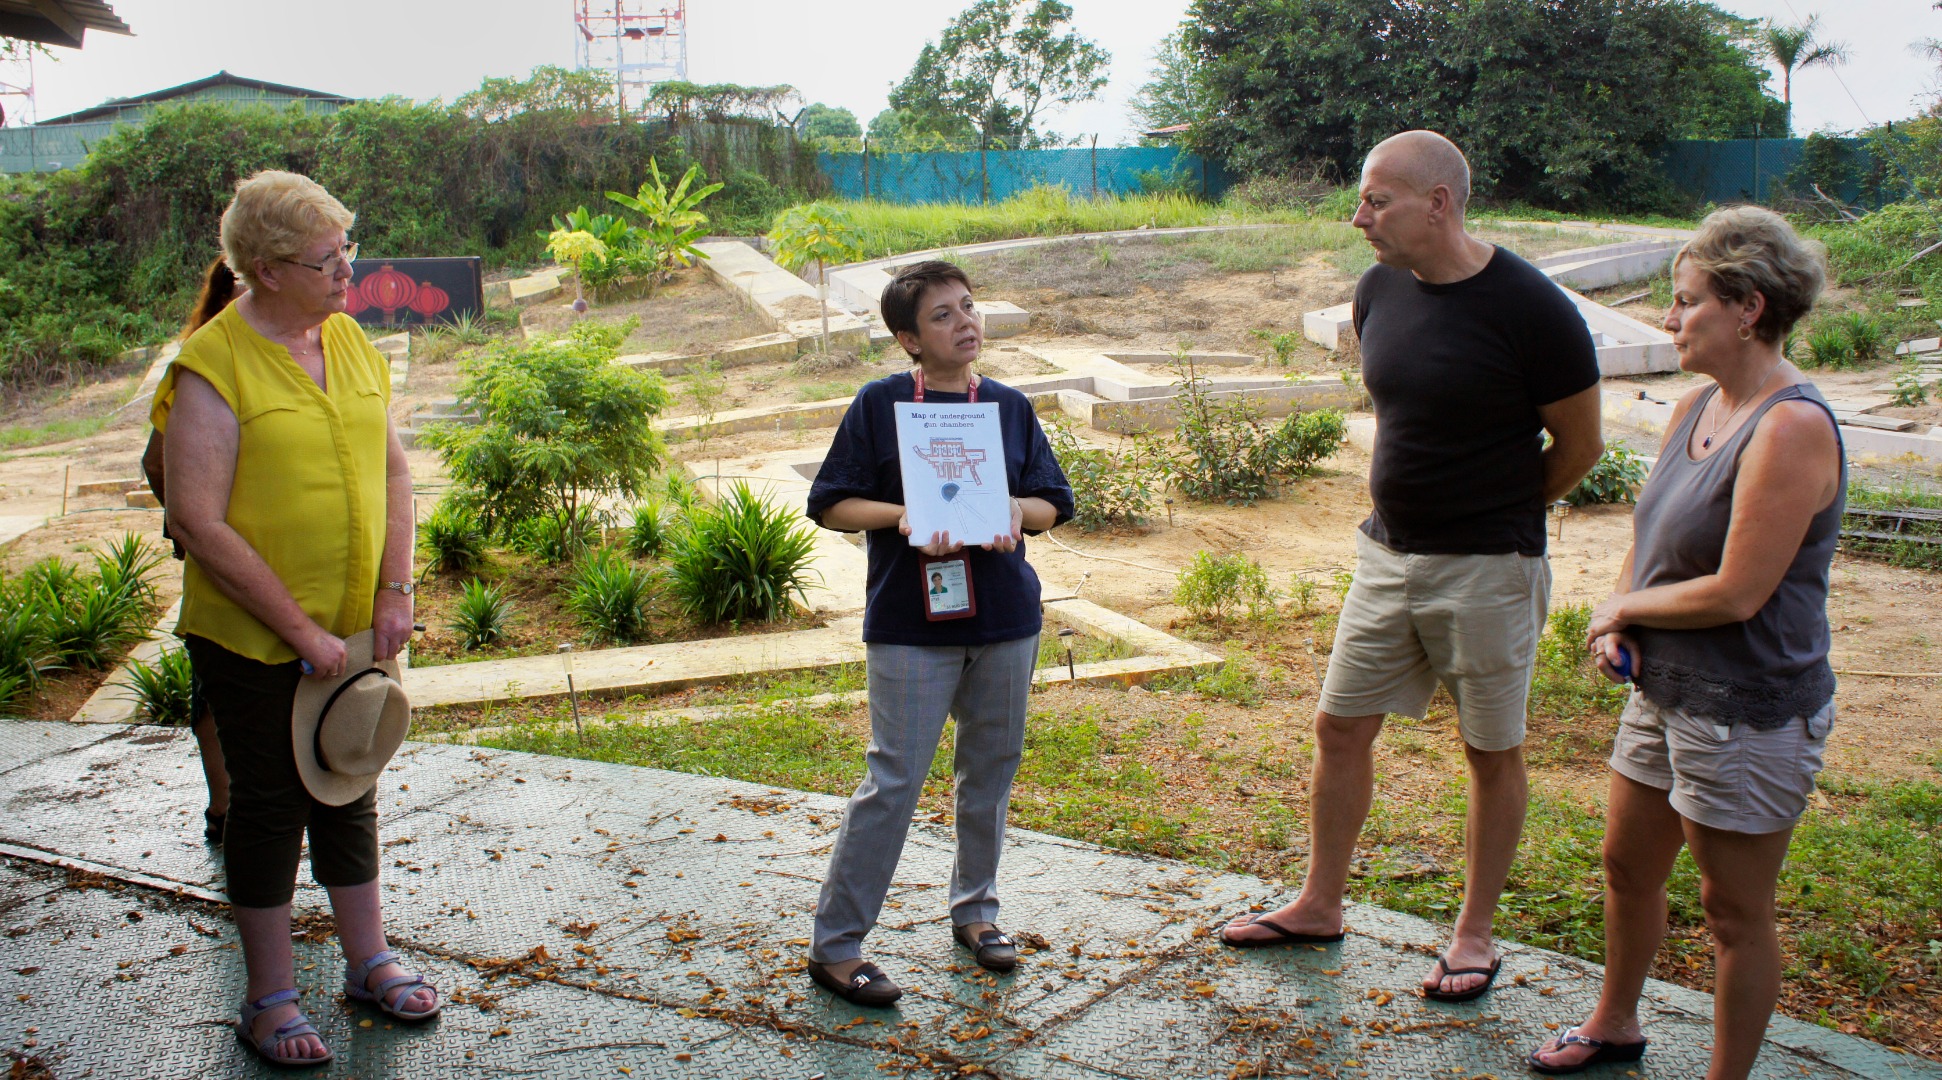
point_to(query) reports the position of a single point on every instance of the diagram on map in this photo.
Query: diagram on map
(953, 464)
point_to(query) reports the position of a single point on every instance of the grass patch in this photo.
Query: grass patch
(16, 436)
(1923, 548)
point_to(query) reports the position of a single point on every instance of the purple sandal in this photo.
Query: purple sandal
(296, 1026)
(356, 976)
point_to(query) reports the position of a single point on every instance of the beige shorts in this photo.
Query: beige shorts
(1470, 622)
(1732, 777)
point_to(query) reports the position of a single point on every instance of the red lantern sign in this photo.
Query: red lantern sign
(430, 300)
(388, 290)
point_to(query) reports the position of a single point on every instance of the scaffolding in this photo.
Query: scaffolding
(639, 46)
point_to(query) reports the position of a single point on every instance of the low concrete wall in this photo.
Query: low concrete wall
(1162, 413)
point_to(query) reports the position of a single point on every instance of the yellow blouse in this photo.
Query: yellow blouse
(309, 493)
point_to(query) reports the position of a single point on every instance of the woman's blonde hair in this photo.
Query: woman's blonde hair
(1748, 249)
(275, 215)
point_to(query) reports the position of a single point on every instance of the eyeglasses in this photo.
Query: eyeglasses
(345, 256)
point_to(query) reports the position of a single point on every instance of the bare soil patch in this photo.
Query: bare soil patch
(689, 314)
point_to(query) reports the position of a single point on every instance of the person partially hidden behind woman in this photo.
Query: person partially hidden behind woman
(1721, 619)
(219, 287)
(290, 492)
(974, 663)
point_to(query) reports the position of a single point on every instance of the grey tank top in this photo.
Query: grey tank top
(1771, 668)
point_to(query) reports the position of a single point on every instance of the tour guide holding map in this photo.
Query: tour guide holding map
(925, 664)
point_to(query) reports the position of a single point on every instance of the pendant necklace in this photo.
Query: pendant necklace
(1707, 442)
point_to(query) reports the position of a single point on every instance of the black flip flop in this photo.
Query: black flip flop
(868, 985)
(1602, 1053)
(1284, 936)
(1437, 993)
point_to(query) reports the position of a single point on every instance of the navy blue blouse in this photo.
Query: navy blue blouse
(862, 463)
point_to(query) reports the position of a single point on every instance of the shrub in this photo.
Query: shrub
(92, 625)
(25, 654)
(649, 529)
(611, 597)
(1827, 346)
(1217, 586)
(1565, 682)
(739, 560)
(124, 565)
(1109, 487)
(1232, 455)
(1614, 479)
(162, 691)
(554, 541)
(560, 426)
(1909, 392)
(452, 538)
(1283, 344)
(1864, 336)
(482, 614)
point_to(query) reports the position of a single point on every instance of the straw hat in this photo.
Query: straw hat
(345, 729)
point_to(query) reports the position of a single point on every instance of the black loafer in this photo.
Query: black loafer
(994, 950)
(868, 985)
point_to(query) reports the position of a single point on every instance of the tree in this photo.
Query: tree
(673, 223)
(1173, 95)
(560, 426)
(1795, 47)
(818, 233)
(547, 89)
(820, 121)
(1564, 103)
(998, 66)
(900, 131)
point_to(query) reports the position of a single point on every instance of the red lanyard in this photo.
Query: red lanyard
(918, 376)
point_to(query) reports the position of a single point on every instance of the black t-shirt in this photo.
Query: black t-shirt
(862, 463)
(1457, 373)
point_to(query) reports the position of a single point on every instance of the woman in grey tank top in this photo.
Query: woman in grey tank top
(1720, 621)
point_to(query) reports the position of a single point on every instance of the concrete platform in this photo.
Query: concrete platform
(591, 920)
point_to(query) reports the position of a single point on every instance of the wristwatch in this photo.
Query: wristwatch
(404, 587)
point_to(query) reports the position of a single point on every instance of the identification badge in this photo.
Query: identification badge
(947, 587)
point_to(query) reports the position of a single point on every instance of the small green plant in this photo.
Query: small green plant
(1303, 590)
(1865, 337)
(93, 624)
(1284, 344)
(667, 242)
(25, 653)
(1909, 391)
(1237, 680)
(453, 540)
(648, 530)
(575, 248)
(815, 233)
(1219, 586)
(738, 561)
(482, 614)
(705, 386)
(1614, 479)
(1109, 487)
(124, 566)
(612, 597)
(161, 691)
(554, 541)
(1827, 346)
(1230, 454)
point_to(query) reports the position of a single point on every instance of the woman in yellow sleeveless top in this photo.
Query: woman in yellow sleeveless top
(289, 490)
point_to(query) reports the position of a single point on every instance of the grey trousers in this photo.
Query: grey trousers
(913, 688)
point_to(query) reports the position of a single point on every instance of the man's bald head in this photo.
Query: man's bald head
(1424, 161)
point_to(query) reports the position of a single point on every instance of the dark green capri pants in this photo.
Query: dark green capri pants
(269, 808)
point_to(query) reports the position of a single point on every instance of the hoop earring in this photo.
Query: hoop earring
(1746, 332)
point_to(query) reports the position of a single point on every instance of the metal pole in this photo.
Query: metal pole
(1095, 166)
(866, 166)
(1756, 161)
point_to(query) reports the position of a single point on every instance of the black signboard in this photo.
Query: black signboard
(415, 292)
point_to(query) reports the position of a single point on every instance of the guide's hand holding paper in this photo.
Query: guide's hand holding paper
(955, 491)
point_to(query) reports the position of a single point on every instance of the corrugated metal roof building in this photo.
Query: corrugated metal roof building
(63, 141)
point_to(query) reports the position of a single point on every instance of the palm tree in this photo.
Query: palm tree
(1794, 47)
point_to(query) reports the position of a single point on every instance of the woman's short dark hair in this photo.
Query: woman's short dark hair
(218, 289)
(900, 297)
(1749, 249)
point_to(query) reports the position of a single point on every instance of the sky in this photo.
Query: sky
(847, 54)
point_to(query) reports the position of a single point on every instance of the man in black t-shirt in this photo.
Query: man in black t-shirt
(1470, 355)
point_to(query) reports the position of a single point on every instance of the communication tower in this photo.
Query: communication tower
(17, 85)
(638, 42)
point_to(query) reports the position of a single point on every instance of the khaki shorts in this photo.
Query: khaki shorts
(1470, 622)
(1736, 777)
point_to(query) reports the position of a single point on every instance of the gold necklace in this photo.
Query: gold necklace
(1707, 442)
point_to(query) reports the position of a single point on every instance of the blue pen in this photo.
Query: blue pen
(1622, 667)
